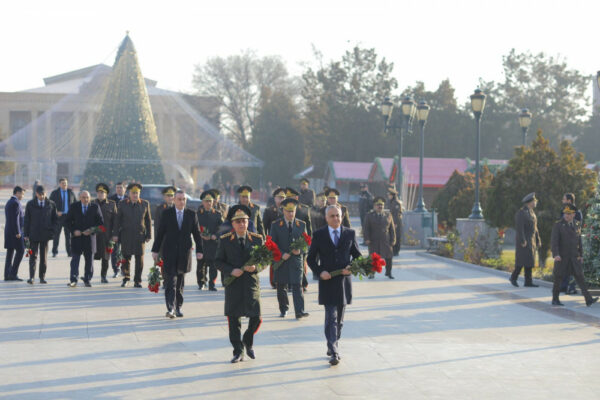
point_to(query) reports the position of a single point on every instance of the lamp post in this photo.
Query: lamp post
(422, 114)
(525, 121)
(408, 108)
(598, 79)
(477, 104)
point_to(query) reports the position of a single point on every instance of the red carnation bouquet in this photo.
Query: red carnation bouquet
(110, 246)
(364, 266)
(205, 233)
(260, 256)
(302, 243)
(97, 229)
(155, 276)
(28, 250)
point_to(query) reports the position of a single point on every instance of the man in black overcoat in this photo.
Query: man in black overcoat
(177, 225)
(14, 219)
(333, 247)
(82, 218)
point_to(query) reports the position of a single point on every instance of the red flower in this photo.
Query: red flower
(377, 262)
(109, 250)
(276, 255)
(160, 263)
(102, 228)
(201, 229)
(307, 238)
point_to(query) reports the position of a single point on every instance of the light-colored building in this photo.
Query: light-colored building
(48, 131)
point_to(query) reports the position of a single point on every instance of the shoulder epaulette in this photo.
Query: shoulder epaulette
(281, 223)
(253, 234)
(227, 235)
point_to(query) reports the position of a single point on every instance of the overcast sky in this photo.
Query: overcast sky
(427, 40)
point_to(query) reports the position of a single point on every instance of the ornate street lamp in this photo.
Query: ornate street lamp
(408, 108)
(525, 121)
(477, 105)
(422, 114)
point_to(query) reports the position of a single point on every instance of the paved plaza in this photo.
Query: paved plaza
(440, 330)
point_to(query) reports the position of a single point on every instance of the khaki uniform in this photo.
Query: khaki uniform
(395, 207)
(380, 232)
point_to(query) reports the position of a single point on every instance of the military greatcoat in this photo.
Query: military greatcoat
(527, 232)
(133, 226)
(380, 232)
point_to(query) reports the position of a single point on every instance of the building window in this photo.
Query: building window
(18, 121)
(62, 123)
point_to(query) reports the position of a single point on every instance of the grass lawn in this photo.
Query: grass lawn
(507, 263)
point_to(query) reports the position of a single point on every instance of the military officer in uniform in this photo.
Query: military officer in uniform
(217, 204)
(527, 241)
(332, 200)
(568, 254)
(307, 195)
(303, 214)
(291, 271)
(209, 220)
(244, 193)
(108, 208)
(316, 216)
(395, 207)
(133, 228)
(274, 212)
(242, 297)
(380, 233)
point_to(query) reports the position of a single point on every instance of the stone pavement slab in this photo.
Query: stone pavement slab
(438, 331)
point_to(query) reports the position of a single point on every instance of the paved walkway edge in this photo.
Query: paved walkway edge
(479, 268)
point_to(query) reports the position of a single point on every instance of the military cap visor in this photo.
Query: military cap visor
(289, 204)
(304, 180)
(134, 187)
(279, 193)
(169, 191)
(208, 195)
(238, 211)
(569, 209)
(333, 193)
(529, 197)
(290, 192)
(379, 200)
(102, 187)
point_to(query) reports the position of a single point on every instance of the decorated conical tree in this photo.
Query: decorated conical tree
(591, 239)
(125, 146)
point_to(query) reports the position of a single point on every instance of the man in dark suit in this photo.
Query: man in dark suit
(117, 197)
(307, 195)
(63, 198)
(176, 226)
(290, 272)
(333, 247)
(13, 234)
(242, 297)
(83, 217)
(568, 254)
(40, 223)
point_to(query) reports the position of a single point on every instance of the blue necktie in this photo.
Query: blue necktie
(84, 209)
(336, 239)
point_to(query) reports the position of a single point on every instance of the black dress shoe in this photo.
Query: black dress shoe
(250, 353)
(54, 254)
(237, 358)
(531, 285)
(212, 289)
(557, 303)
(302, 315)
(42, 280)
(170, 314)
(391, 276)
(178, 313)
(334, 359)
(592, 301)
(283, 314)
(137, 285)
(72, 284)
(513, 282)
(103, 280)
(125, 283)
(87, 283)
(16, 278)
(30, 281)
(116, 274)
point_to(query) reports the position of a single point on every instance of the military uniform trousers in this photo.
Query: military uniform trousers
(41, 249)
(528, 274)
(570, 268)
(235, 333)
(297, 297)
(139, 267)
(206, 273)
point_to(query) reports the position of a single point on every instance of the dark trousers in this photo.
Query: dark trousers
(388, 266)
(13, 260)
(103, 267)
(297, 296)
(174, 290)
(139, 267)
(528, 274)
(567, 285)
(235, 333)
(569, 269)
(334, 321)
(396, 247)
(206, 273)
(61, 226)
(114, 257)
(88, 271)
(41, 249)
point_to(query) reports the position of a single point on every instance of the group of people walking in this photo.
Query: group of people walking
(117, 228)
